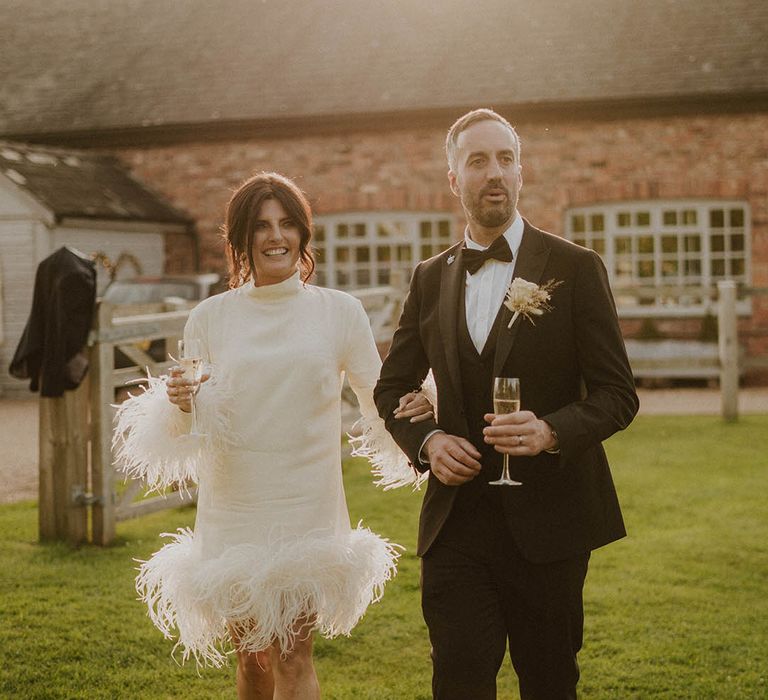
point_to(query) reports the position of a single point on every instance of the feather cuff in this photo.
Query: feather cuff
(389, 465)
(151, 440)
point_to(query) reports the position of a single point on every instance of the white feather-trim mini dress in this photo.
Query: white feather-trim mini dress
(272, 542)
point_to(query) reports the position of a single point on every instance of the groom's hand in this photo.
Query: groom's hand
(452, 459)
(519, 434)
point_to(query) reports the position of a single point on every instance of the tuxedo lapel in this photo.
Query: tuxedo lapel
(451, 287)
(531, 260)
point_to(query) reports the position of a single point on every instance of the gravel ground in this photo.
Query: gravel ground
(19, 422)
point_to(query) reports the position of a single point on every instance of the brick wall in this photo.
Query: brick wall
(564, 164)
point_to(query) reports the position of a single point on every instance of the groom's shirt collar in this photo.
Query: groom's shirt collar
(513, 234)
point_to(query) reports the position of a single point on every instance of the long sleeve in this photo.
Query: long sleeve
(151, 438)
(610, 403)
(362, 364)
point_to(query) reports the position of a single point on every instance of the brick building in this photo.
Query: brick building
(644, 125)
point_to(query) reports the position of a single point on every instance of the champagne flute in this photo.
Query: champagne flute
(191, 361)
(506, 399)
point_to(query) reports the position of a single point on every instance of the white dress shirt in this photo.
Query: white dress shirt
(484, 293)
(485, 290)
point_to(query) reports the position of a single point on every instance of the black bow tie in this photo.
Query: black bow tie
(475, 259)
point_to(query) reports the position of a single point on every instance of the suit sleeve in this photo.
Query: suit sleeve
(404, 370)
(611, 402)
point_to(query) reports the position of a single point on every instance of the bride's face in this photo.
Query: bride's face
(276, 244)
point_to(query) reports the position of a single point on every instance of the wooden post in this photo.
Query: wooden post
(102, 396)
(729, 349)
(63, 466)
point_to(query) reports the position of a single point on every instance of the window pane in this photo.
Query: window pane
(444, 229)
(580, 241)
(736, 217)
(717, 243)
(737, 267)
(597, 222)
(737, 242)
(692, 268)
(404, 253)
(319, 254)
(643, 218)
(689, 217)
(693, 243)
(718, 268)
(670, 218)
(645, 244)
(342, 254)
(426, 252)
(425, 229)
(383, 231)
(342, 278)
(717, 218)
(669, 268)
(319, 233)
(382, 277)
(645, 268)
(598, 245)
(623, 218)
(669, 244)
(577, 224)
(342, 231)
(362, 254)
(623, 245)
(383, 253)
(364, 277)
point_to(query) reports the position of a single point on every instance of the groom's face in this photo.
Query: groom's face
(487, 175)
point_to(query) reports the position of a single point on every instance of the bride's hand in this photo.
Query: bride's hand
(416, 406)
(179, 390)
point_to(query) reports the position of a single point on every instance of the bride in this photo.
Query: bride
(272, 556)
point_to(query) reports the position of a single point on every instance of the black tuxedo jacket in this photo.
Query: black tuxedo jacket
(573, 372)
(49, 351)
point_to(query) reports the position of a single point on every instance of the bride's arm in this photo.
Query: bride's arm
(149, 442)
(361, 362)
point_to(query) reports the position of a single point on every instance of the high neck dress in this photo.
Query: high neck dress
(272, 540)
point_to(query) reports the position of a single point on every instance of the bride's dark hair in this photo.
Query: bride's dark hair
(243, 210)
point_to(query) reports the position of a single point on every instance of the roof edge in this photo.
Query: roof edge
(331, 124)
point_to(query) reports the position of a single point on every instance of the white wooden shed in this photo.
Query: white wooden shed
(51, 197)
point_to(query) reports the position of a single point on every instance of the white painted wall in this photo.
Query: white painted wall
(148, 248)
(17, 275)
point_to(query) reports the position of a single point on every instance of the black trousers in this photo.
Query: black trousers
(479, 594)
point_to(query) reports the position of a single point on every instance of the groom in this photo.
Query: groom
(505, 565)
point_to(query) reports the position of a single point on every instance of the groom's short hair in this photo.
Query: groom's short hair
(464, 122)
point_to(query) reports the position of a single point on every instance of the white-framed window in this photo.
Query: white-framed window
(665, 257)
(369, 249)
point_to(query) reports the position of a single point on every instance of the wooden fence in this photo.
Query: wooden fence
(76, 429)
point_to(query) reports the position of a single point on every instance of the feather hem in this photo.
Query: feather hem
(261, 591)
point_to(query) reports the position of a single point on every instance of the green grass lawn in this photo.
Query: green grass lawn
(679, 609)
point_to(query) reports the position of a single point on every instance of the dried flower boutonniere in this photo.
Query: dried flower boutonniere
(529, 299)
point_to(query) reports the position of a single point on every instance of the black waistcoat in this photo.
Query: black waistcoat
(477, 389)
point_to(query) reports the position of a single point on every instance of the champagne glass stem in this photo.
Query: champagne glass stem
(194, 430)
(505, 472)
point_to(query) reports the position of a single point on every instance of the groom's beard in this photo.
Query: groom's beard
(488, 214)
